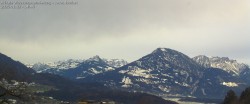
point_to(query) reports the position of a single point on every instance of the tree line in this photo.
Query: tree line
(232, 98)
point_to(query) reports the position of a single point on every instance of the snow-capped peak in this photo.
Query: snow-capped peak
(229, 65)
(96, 63)
(61, 65)
(162, 50)
(172, 56)
(115, 62)
(167, 52)
(94, 58)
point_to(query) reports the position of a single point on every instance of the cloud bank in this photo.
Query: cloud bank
(126, 29)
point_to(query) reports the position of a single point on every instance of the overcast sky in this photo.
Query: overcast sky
(127, 29)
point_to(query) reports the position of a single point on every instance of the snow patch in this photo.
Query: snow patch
(109, 69)
(93, 70)
(135, 71)
(80, 77)
(230, 84)
(163, 49)
(126, 81)
(203, 91)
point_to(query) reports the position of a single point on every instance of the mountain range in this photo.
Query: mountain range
(64, 89)
(163, 72)
(169, 72)
(77, 69)
(230, 66)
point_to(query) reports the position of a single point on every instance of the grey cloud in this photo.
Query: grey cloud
(210, 26)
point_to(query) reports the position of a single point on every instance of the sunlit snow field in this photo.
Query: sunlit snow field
(185, 102)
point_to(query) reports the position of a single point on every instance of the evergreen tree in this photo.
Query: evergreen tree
(230, 98)
(245, 96)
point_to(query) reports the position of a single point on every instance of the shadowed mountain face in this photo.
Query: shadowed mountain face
(14, 70)
(216, 82)
(222, 71)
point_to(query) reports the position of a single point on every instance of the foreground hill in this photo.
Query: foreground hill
(14, 70)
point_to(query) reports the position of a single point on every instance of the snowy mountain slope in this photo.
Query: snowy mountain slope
(53, 67)
(91, 66)
(162, 71)
(231, 66)
(116, 63)
(70, 64)
(39, 67)
(77, 69)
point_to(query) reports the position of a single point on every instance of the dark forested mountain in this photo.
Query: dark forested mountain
(14, 70)
(216, 82)
(232, 98)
